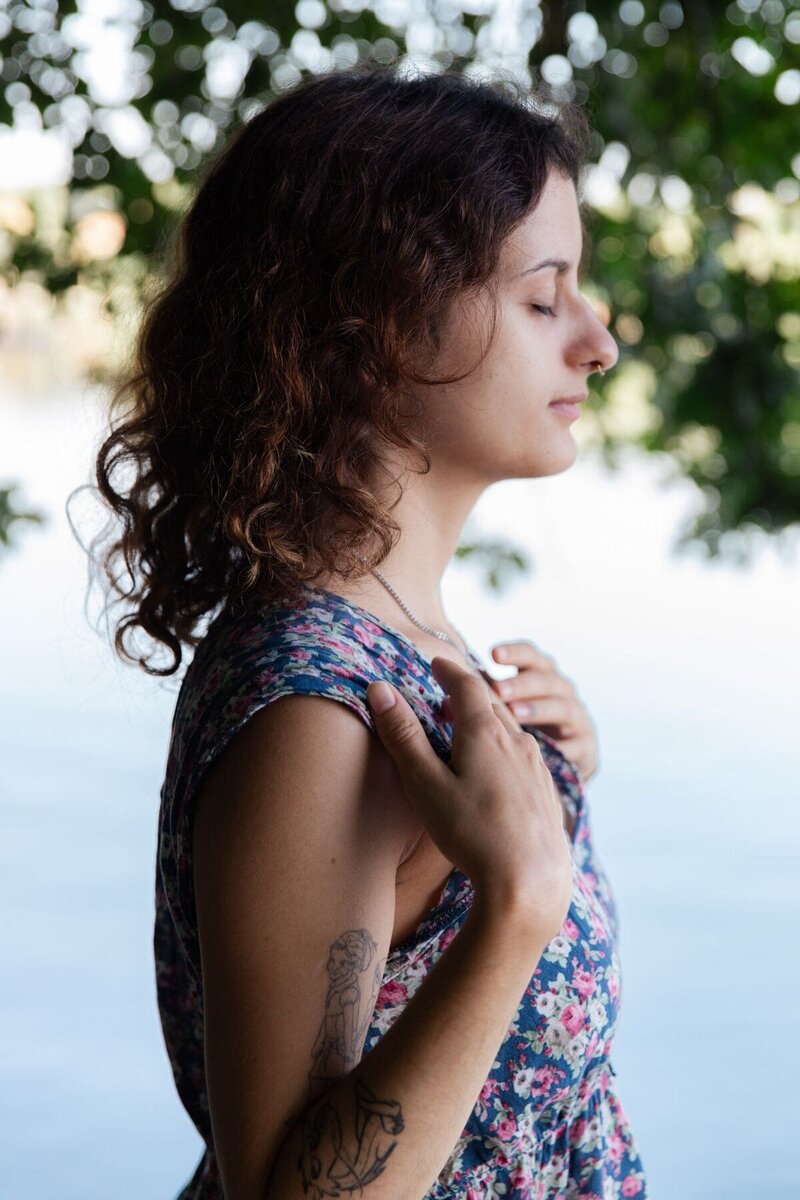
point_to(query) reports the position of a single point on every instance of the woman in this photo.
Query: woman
(386, 957)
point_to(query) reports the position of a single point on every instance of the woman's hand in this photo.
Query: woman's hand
(552, 701)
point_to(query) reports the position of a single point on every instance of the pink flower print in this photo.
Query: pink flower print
(591, 1045)
(506, 1129)
(473, 1193)
(447, 937)
(393, 992)
(598, 929)
(613, 987)
(631, 1186)
(545, 1078)
(583, 981)
(578, 1129)
(616, 1147)
(362, 635)
(573, 1018)
(570, 928)
(521, 1178)
(488, 1089)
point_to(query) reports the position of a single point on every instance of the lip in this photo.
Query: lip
(577, 399)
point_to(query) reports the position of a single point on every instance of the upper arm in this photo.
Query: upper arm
(298, 831)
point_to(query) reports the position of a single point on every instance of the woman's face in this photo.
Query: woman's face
(498, 423)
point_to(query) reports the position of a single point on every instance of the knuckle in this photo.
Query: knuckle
(484, 721)
(530, 745)
(404, 732)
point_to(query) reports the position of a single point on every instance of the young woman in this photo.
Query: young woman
(386, 954)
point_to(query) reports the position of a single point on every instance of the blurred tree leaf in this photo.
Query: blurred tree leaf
(9, 515)
(693, 207)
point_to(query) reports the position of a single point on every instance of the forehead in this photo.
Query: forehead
(554, 230)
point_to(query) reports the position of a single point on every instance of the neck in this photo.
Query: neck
(431, 513)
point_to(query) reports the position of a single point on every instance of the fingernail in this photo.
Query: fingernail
(380, 696)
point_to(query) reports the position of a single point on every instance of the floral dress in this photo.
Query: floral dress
(547, 1122)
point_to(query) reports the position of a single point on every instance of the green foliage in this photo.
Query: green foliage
(694, 211)
(9, 514)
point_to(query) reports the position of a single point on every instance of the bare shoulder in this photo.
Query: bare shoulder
(304, 754)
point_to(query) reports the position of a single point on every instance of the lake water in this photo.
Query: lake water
(690, 671)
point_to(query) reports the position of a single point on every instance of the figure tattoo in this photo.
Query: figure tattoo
(328, 1166)
(332, 1163)
(344, 1026)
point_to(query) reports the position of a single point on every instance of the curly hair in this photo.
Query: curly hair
(310, 275)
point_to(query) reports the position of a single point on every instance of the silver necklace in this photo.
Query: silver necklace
(427, 629)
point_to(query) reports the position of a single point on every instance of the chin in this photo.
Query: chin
(560, 459)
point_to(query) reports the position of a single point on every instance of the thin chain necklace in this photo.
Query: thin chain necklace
(427, 629)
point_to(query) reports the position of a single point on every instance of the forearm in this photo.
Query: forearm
(390, 1125)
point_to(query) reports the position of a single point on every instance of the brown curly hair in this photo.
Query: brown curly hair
(321, 253)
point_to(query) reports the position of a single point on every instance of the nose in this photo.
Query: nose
(602, 347)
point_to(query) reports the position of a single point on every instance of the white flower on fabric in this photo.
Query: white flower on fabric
(560, 946)
(523, 1081)
(610, 1188)
(597, 1014)
(576, 1047)
(526, 1131)
(592, 1134)
(554, 1170)
(382, 1020)
(556, 1035)
(546, 1003)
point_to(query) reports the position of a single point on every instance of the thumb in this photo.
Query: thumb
(403, 735)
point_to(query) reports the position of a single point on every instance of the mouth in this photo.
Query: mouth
(568, 406)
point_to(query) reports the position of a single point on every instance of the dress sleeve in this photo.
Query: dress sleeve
(242, 669)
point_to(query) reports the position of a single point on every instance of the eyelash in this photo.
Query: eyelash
(543, 308)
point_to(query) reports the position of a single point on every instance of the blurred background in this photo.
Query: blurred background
(661, 570)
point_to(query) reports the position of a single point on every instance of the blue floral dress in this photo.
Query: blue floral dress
(548, 1121)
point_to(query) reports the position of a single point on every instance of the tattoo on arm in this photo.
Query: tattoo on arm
(334, 1160)
(344, 1026)
(332, 1163)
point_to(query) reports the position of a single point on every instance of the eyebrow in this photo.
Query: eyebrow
(559, 263)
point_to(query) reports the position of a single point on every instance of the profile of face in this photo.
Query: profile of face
(498, 422)
(340, 964)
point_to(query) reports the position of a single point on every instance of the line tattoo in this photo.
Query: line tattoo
(331, 1162)
(339, 1041)
(328, 1166)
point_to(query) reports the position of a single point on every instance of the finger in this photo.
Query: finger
(550, 711)
(404, 737)
(521, 653)
(465, 689)
(508, 719)
(466, 704)
(532, 683)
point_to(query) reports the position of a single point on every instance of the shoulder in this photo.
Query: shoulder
(255, 654)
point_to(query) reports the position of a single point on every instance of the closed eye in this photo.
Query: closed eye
(543, 308)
